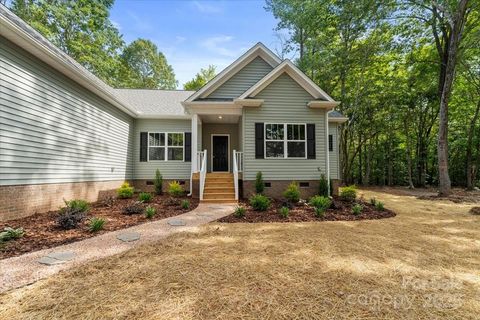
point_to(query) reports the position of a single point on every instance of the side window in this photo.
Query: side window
(156, 146)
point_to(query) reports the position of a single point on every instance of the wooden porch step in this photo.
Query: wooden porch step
(219, 195)
(219, 179)
(219, 201)
(219, 189)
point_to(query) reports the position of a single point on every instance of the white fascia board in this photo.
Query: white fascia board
(327, 105)
(296, 74)
(258, 50)
(74, 71)
(206, 107)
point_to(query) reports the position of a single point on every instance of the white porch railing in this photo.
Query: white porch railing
(237, 167)
(200, 156)
(203, 170)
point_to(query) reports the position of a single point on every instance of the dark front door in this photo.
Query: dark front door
(220, 153)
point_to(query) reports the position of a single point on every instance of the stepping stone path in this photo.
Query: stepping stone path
(56, 258)
(129, 236)
(176, 223)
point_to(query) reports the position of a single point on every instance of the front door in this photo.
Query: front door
(220, 153)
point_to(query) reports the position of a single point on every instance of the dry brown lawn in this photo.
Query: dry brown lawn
(422, 264)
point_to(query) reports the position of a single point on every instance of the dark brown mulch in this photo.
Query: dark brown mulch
(475, 210)
(42, 232)
(301, 212)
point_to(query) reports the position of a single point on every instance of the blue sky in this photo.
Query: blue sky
(195, 34)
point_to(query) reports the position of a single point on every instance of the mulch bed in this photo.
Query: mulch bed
(475, 210)
(302, 212)
(42, 232)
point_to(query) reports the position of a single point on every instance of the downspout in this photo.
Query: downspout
(327, 161)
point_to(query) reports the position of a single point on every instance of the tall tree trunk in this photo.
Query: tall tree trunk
(442, 145)
(409, 152)
(470, 169)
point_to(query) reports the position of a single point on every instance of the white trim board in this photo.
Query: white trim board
(228, 149)
(258, 50)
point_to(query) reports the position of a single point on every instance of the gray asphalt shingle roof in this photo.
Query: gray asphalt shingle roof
(155, 102)
(335, 114)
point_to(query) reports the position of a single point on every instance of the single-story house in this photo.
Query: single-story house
(66, 134)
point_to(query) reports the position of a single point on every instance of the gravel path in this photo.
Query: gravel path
(25, 269)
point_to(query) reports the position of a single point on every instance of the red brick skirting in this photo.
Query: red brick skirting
(24, 200)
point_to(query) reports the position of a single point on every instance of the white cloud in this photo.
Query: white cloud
(219, 44)
(204, 7)
(116, 24)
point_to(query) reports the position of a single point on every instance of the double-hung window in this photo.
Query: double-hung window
(283, 140)
(165, 146)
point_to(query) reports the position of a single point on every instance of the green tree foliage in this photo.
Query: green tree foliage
(83, 30)
(201, 78)
(145, 67)
(382, 60)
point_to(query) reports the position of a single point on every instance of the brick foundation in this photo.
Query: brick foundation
(24, 200)
(278, 187)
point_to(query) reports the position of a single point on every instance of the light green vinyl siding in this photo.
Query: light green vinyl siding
(242, 80)
(169, 169)
(53, 130)
(334, 155)
(284, 102)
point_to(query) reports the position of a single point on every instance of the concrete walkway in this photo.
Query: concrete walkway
(25, 269)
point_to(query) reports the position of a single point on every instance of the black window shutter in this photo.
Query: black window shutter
(311, 141)
(259, 152)
(188, 146)
(330, 142)
(143, 146)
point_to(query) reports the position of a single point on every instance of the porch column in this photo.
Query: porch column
(194, 142)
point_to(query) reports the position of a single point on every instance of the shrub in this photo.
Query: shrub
(319, 212)
(175, 189)
(379, 206)
(239, 212)
(259, 184)
(323, 186)
(320, 202)
(348, 193)
(373, 201)
(158, 182)
(284, 212)
(96, 224)
(76, 204)
(150, 212)
(357, 209)
(185, 204)
(134, 208)
(172, 202)
(259, 202)
(125, 191)
(10, 234)
(70, 218)
(145, 197)
(292, 193)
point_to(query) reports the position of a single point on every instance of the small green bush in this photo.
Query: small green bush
(323, 186)
(239, 212)
(185, 204)
(145, 197)
(259, 184)
(10, 234)
(319, 212)
(125, 191)
(379, 206)
(320, 202)
(158, 182)
(292, 193)
(76, 204)
(284, 212)
(259, 202)
(357, 209)
(175, 189)
(134, 208)
(348, 193)
(96, 224)
(150, 212)
(373, 201)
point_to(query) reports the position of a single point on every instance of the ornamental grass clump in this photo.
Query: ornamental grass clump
(150, 212)
(348, 193)
(320, 202)
(284, 212)
(145, 197)
(259, 202)
(175, 189)
(125, 191)
(96, 224)
(292, 193)
(185, 204)
(239, 212)
(357, 209)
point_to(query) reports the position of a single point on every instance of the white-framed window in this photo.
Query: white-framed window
(285, 140)
(166, 146)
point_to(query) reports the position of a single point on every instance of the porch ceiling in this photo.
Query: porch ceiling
(215, 118)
